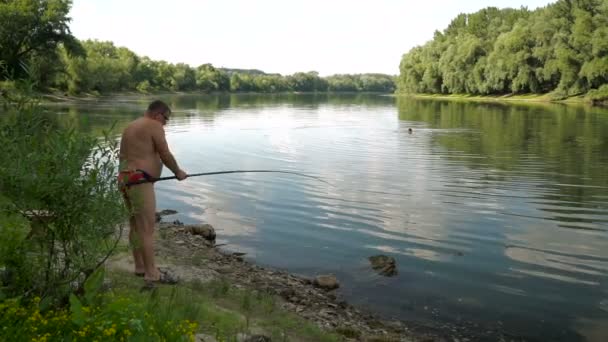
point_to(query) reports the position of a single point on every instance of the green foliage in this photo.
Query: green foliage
(361, 82)
(560, 48)
(133, 318)
(599, 95)
(31, 30)
(306, 82)
(36, 33)
(105, 68)
(61, 211)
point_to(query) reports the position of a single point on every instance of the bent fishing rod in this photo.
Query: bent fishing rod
(153, 180)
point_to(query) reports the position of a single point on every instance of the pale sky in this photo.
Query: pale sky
(275, 36)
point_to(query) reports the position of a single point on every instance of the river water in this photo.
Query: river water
(497, 214)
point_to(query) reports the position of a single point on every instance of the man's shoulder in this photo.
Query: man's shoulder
(144, 123)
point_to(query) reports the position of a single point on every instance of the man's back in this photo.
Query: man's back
(137, 146)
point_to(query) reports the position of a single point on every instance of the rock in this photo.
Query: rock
(166, 212)
(252, 338)
(204, 230)
(327, 282)
(204, 338)
(384, 265)
(287, 293)
(258, 338)
(224, 269)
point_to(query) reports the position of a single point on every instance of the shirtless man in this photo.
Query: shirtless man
(143, 151)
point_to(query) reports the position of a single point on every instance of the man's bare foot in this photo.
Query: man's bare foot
(164, 277)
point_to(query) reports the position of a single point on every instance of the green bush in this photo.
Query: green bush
(114, 318)
(599, 95)
(60, 210)
(558, 95)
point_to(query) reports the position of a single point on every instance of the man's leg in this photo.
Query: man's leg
(135, 242)
(134, 239)
(145, 221)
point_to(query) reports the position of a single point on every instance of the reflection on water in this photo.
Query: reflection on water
(496, 214)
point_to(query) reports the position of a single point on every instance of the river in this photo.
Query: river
(496, 213)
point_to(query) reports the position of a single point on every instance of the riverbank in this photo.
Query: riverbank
(197, 261)
(526, 98)
(64, 97)
(529, 98)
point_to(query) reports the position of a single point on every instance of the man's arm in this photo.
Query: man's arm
(161, 146)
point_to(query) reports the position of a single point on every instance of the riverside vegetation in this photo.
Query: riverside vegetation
(560, 50)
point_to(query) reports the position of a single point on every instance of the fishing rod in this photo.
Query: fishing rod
(226, 172)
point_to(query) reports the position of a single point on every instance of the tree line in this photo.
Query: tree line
(36, 42)
(561, 49)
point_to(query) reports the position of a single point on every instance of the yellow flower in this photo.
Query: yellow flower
(110, 331)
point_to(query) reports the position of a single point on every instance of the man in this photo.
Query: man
(143, 151)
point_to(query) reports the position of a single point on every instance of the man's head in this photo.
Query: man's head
(159, 110)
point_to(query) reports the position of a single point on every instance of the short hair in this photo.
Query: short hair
(159, 107)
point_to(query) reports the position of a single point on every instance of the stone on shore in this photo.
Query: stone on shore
(252, 338)
(326, 282)
(164, 212)
(204, 230)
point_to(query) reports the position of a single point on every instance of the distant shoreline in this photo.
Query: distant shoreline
(57, 97)
(529, 98)
(525, 98)
(535, 98)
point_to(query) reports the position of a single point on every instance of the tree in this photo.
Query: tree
(31, 28)
(209, 79)
(184, 77)
(560, 49)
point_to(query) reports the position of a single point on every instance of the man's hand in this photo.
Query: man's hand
(181, 175)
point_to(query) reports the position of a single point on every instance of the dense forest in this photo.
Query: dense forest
(561, 49)
(36, 42)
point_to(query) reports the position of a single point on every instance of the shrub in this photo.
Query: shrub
(598, 95)
(107, 318)
(61, 214)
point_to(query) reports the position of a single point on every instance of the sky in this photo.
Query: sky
(275, 36)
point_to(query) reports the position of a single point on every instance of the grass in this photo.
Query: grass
(221, 310)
